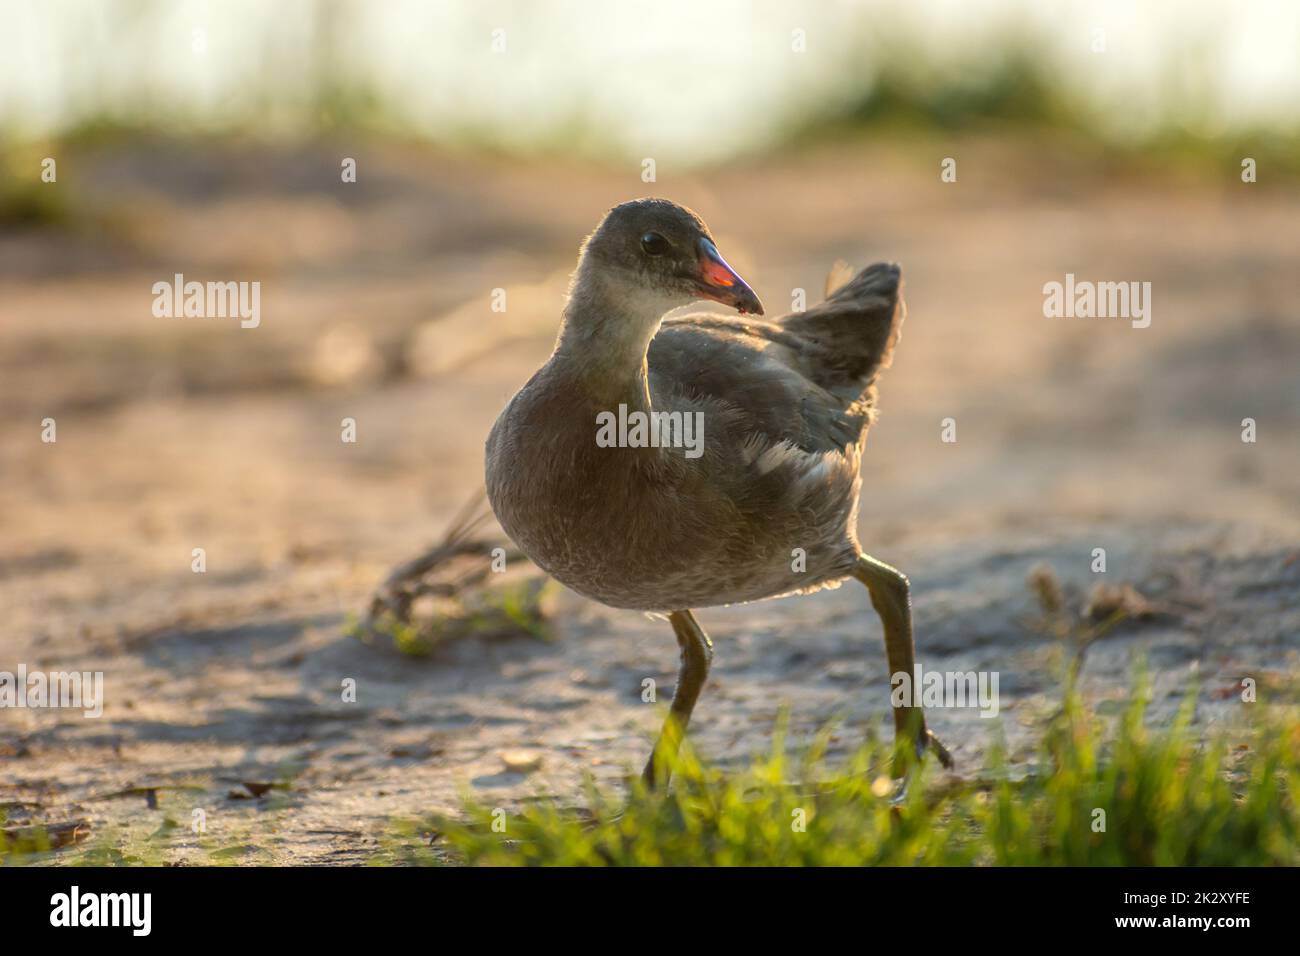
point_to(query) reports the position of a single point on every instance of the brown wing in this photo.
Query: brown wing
(806, 379)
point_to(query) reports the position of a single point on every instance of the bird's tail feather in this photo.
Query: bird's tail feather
(856, 329)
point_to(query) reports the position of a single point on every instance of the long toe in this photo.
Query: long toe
(935, 744)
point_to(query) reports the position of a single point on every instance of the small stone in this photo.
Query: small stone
(521, 761)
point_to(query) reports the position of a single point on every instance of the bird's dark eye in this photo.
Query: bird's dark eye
(654, 244)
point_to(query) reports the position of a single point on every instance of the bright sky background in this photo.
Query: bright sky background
(705, 79)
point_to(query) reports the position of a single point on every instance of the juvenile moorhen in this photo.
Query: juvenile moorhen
(764, 506)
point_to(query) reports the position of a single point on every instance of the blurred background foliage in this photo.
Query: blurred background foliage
(662, 79)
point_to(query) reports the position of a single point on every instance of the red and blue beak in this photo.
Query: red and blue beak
(719, 282)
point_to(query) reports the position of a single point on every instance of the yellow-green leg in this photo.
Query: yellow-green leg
(697, 654)
(891, 598)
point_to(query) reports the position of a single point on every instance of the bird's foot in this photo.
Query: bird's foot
(908, 760)
(913, 730)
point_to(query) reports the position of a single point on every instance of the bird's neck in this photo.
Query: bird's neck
(604, 338)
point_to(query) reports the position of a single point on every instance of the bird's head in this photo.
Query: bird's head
(656, 255)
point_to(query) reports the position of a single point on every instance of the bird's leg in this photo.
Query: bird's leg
(697, 654)
(892, 601)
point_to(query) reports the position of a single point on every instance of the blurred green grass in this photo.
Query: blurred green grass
(904, 93)
(1167, 799)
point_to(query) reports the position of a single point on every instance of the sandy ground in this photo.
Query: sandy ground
(175, 434)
